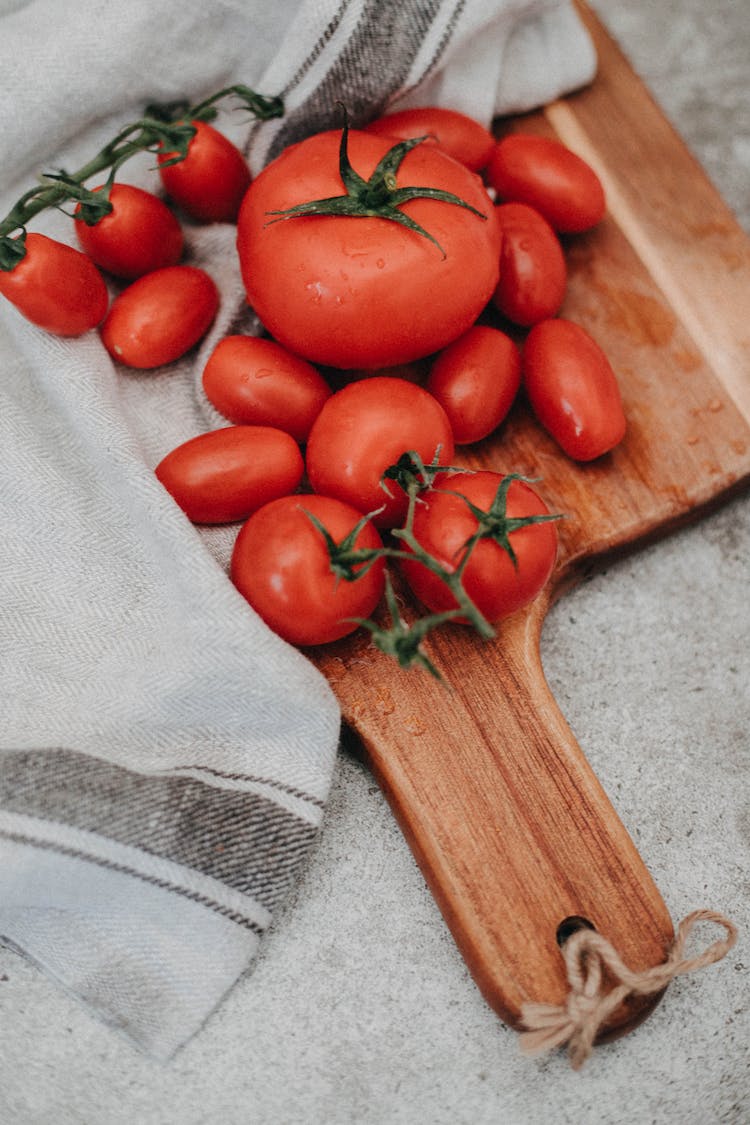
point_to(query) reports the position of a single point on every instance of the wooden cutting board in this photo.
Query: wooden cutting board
(510, 826)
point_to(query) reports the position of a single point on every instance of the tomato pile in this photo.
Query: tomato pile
(370, 256)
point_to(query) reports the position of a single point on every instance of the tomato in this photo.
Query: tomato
(475, 380)
(56, 287)
(138, 235)
(249, 379)
(460, 136)
(226, 474)
(364, 291)
(533, 274)
(362, 430)
(496, 584)
(280, 564)
(160, 316)
(546, 175)
(572, 389)
(210, 182)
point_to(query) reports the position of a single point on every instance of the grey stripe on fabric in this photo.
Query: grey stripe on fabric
(319, 46)
(125, 869)
(253, 779)
(440, 50)
(327, 34)
(374, 62)
(239, 838)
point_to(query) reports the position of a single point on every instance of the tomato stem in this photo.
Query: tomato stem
(380, 196)
(155, 132)
(495, 523)
(403, 641)
(346, 560)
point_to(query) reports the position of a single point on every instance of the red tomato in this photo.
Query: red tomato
(365, 292)
(496, 585)
(160, 316)
(572, 389)
(140, 234)
(475, 380)
(533, 274)
(210, 182)
(252, 380)
(224, 475)
(56, 287)
(281, 565)
(362, 430)
(460, 136)
(542, 172)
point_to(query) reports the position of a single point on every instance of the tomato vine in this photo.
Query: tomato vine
(402, 640)
(165, 128)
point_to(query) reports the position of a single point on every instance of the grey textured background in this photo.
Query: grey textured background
(360, 1010)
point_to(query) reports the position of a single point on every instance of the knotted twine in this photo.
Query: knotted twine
(588, 1006)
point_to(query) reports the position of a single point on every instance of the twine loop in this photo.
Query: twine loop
(588, 1006)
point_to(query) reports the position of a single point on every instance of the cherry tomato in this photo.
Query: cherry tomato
(540, 171)
(460, 136)
(160, 316)
(280, 564)
(224, 475)
(496, 583)
(572, 389)
(475, 380)
(533, 274)
(364, 291)
(210, 182)
(249, 379)
(362, 430)
(140, 234)
(56, 287)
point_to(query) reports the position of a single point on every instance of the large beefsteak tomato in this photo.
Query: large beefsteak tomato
(360, 286)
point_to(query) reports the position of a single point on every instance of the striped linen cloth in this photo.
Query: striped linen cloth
(164, 758)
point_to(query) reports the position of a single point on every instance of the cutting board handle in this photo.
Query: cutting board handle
(513, 832)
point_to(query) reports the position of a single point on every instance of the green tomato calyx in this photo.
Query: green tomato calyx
(348, 562)
(496, 524)
(380, 196)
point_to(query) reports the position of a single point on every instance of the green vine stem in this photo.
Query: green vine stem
(156, 132)
(402, 640)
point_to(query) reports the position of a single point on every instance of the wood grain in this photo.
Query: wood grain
(506, 818)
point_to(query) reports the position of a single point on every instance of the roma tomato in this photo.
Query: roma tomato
(280, 564)
(140, 234)
(56, 287)
(572, 389)
(362, 430)
(224, 475)
(540, 171)
(460, 136)
(475, 379)
(533, 274)
(362, 290)
(497, 583)
(160, 316)
(210, 182)
(252, 380)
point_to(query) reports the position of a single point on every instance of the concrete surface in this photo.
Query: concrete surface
(360, 1010)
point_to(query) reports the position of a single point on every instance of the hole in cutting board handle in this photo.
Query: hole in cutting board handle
(570, 926)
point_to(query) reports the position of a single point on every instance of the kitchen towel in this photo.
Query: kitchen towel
(164, 758)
